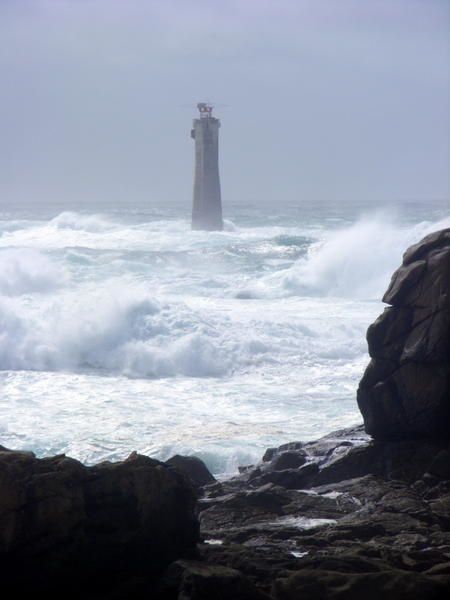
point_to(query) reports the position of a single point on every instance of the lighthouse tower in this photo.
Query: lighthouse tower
(207, 204)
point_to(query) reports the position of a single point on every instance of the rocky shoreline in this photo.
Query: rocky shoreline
(356, 515)
(345, 517)
(342, 517)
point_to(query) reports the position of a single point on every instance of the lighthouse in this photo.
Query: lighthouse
(207, 202)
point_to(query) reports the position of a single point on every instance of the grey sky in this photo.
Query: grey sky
(327, 99)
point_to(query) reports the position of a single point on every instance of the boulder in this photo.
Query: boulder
(95, 526)
(405, 391)
(194, 468)
(289, 459)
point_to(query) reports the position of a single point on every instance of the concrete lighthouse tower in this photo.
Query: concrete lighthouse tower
(207, 204)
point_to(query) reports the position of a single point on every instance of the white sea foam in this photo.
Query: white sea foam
(80, 222)
(111, 330)
(130, 326)
(119, 334)
(24, 271)
(302, 522)
(352, 262)
(122, 329)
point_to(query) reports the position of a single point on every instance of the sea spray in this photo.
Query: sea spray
(352, 262)
(26, 271)
(120, 333)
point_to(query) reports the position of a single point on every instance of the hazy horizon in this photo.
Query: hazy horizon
(325, 101)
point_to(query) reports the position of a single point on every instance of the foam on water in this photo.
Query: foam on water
(121, 333)
(24, 271)
(352, 262)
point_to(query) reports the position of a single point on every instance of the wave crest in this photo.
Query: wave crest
(112, 331)
(24, 271)
(353, 262)
(79, 222)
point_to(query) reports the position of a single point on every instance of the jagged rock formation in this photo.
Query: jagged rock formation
(405, 391)
(355, 519)
(344, 517)
(93, 526)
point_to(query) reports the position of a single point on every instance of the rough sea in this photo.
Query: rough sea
(121, 329)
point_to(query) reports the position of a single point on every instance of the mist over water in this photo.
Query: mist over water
(121, 329)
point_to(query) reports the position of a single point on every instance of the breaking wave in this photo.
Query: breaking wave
(353, 262)
(110, 323)
(24, 271)
(80, 222)
(65, 311)
(109, 331)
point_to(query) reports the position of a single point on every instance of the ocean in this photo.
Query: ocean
(121, 329)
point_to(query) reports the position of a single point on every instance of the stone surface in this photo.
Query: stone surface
(371, 519)
(405, 391)
(194, 580)
(194, 468)
(60, 520)
(335, 585)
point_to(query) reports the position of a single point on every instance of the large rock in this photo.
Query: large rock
(405, 391)
(194, 468)
(62, 521)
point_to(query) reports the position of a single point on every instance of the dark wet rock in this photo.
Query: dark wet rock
(442, 569)
(289, 459)
(392, 460)
(262, 561)
(195, 580)
(266, 505)
(194, 468)
(269, 454)
(291, 479)
(405, 391)
(350, 453)
(362, 507)
(440, 508)
(440, 466)
(392, 584)
(369, 517)
(243, 507)
(289, 447)
(103, 524)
